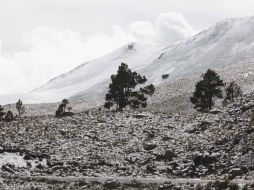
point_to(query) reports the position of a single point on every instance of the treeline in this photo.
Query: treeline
(123, 92)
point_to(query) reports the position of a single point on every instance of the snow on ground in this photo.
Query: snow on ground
(17, 160)
(228, 42)
(13, 159)
(98, 71)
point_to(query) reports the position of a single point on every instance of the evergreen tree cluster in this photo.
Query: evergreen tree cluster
(123, 92)
(211, 87)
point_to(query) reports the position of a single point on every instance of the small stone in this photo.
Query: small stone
(111, 184)
(149, 146)
(139, 116)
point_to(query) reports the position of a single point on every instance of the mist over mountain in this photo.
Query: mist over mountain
(228, 42)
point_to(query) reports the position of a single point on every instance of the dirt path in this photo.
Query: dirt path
(125, 180)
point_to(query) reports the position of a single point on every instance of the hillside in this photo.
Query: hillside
(147, 144)
(92, 77)
(229, 42)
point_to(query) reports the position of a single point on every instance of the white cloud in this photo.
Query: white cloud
(142, 31)
(172, 27)
(168, 28)
(53, 51)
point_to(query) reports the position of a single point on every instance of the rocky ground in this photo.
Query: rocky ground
(140, 144)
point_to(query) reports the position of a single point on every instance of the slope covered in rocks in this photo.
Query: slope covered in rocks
(138, 144)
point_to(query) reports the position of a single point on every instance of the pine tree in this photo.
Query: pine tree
(233, 91)
(20, 107)
(207, 89)
(122, 89)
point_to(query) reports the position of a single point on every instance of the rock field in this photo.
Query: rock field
(140, 144)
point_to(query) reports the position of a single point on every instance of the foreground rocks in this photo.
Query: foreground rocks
(138, 144)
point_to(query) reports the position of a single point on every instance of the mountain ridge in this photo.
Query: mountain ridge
(228, 42)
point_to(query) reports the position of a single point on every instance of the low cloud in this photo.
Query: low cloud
(172, 27)
(143, 31)
(53, 51)
(168, 28)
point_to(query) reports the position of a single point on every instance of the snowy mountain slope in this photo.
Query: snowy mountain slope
(96, 72)
(228, 42)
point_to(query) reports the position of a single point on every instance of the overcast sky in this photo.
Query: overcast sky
(40, 39)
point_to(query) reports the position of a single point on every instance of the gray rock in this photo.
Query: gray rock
(139, 116)
(112, 184)
(236, 172)
(149, 146)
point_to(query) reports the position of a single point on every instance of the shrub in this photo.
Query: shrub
(233, 186)
(165, 76)
(221, 184)
(9, 116)
(61, 111)
(198, 187)
(233, 91)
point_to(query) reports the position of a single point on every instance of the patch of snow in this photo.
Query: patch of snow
(13, 159)
(247, 74)
(18, 160)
